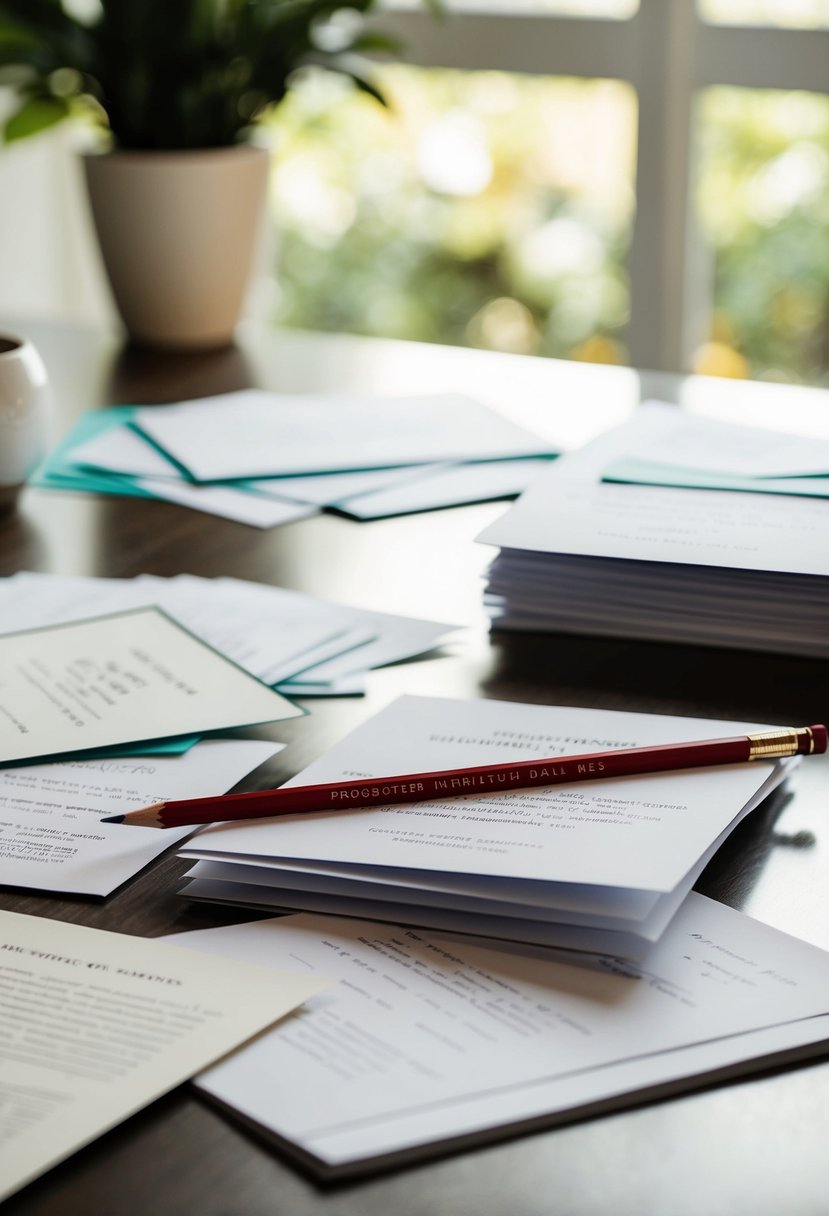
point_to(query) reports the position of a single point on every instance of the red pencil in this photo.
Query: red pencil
(483, 779)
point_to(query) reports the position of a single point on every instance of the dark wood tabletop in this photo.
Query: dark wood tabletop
(758, 1146)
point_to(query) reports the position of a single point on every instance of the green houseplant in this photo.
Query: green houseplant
(178, 89)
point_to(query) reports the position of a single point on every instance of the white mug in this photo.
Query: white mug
(24, 412)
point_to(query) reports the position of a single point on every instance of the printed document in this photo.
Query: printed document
(273, 632)
(97, 1025)
(631, 834)
(120, 679)
(51, 837)
(428, 1040)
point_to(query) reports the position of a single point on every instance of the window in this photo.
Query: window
(792, 14)
(762, 209)
(490, 209)
(641, 180)
(665, 275)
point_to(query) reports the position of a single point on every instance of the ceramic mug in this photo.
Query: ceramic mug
(24, 410)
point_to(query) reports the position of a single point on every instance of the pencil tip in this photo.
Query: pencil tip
(113, 819)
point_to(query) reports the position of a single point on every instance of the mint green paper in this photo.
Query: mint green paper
(650, 473)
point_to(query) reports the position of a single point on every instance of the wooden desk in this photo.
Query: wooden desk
(759, 1146)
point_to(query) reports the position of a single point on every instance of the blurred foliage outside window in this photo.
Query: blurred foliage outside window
(485, 209)
(763, 204)
(495, 210)
(792, 14)
(613, 9)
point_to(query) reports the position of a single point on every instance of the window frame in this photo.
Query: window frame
(669, 54)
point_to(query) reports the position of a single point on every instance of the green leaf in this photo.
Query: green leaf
(18, 45)
(178, 74)
(35, 115)
(365, 85)
(16, 35)
(373, 42)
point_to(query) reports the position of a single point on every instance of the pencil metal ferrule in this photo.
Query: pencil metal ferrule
(773, 743)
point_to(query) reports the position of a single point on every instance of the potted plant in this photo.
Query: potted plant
(178, 89)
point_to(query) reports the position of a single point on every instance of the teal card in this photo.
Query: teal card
(154, 747)
(60, 471)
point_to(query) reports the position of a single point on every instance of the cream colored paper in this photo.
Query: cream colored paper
(273, 632)
(96, 1025)
(120, 679)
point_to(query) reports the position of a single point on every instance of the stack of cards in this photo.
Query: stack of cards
(600, 865)
(640, 534)
(266, 458)
(305, 646)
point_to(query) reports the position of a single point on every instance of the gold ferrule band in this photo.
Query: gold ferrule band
(772, 743)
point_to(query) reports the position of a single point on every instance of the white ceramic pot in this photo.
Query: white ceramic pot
(178, 232)
(24, 414)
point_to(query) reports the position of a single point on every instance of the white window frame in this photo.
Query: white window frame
(668, 53)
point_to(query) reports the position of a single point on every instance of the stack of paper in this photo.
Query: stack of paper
(602, 865)
(642, 558)
(305, 646)
(431, 1042)
(267, 458)
(102, 716)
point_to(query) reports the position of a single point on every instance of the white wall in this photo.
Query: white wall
(49, 265)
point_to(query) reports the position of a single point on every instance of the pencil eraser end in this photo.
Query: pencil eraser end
(819, 737)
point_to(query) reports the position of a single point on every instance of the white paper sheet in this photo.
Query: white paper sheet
(429, 1038)
(623, 943)
(568, 510)
(323, 489)
(273, 632)
(272, 638)
(386, 637)
(96, 1025)
(675, 437)
(228, 502)
(256, 434)
(655, 601)
(51, 837)
(449, 486)
(632, 833)
(353, 685)
(361, 493)
(120, 449)
(576, 917)
(120, 679)
(600, 920)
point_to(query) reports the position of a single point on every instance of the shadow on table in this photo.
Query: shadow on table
(142, 376)
(656, 677)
